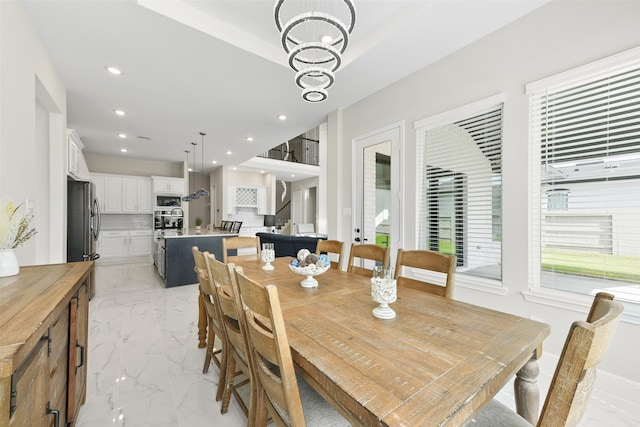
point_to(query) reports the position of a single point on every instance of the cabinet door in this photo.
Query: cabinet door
(113, 246)
(78, 338)
(98, 180)
(144, 196)
(129, 195)
(140, 245)
(112, 194)
(59, 364)
(32, 389)
(161, 185)
(262, 201)
(231, 200)
(177, 186)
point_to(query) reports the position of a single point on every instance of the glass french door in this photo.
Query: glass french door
(376, 216)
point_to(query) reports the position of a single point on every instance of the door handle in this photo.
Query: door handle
(357, 239)
(81, 347)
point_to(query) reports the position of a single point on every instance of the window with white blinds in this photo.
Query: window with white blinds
(585, 149)
(460, 188)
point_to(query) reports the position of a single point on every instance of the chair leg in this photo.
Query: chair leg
(228, 383)
(261, 414)
(224, 362)
(211, 338)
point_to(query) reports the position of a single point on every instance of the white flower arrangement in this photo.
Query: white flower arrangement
(14, 225)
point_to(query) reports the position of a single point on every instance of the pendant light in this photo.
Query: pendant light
(195, 195)
(187, 198)
(202, 192)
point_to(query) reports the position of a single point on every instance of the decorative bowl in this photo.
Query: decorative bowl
(309, 271)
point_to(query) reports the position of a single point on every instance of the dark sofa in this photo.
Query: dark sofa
(286, 245)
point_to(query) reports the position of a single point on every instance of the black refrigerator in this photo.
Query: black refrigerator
(83, 221)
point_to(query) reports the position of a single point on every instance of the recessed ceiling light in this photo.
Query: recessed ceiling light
(261, 171)
(234, 168)
(119, 112)
(214, 162)
(124, 150)
(114, 70)
(282, 117)
(122, 135)
(249, 138)
(228, 152)
(190, 170)
(292, 175)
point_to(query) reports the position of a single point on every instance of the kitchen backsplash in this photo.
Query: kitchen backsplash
(127, 222)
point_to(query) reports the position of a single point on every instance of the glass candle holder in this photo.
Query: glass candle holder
(268, 255)
(383, 291)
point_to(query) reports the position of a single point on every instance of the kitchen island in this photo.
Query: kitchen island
(177, 260)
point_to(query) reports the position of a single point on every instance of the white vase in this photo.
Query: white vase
(8, 263)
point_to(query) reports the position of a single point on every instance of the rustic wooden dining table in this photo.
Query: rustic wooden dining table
(436, 363)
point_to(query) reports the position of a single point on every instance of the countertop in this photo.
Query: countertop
(172, 234)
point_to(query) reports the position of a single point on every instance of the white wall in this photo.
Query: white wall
(27, 76)
(558, 36)
(124, 165)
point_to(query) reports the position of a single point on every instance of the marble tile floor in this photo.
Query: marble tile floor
(145, 369)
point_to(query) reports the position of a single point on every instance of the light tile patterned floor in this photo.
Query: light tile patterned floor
(144, 367)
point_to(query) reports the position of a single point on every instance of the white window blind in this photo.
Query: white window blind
(585, 149)
(460, 182)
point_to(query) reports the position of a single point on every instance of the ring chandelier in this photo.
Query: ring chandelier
(315, 41)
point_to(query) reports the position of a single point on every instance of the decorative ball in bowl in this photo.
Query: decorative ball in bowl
(308, 264)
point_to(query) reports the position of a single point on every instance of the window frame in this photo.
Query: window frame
(536, 293)
(493, 286)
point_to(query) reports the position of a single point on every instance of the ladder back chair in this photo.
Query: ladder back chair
(279, 394)
(240, 242)
(238, 356)
(571, 385)
(427, 261)
(215, 327)
(235, 227)
(330, 247)
(370, 252)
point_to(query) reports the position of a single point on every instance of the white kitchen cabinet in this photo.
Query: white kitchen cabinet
(136, 195)
(262, 201)
(140, 243)
(98, 180)
(112, 194)
(124, 243)
(123, 193)
(113, 244)
(168, 185)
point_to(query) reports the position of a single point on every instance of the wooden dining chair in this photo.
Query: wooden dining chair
(370, 252)
(224, 278)
(215, 327)
(240, 242)
(571, 385)
(426, 261)
(235, 226)
(279, 395)
(330, 247)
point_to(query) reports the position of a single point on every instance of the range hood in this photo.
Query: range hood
(76, 165)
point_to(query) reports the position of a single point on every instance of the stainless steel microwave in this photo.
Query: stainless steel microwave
(168, 201)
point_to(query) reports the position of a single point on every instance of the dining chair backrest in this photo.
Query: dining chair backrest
(426, 261)
(224, 278)
(371, 252)
(235, 227)
(330, 247)
(212, 308)
(226, 225)
(585, 347)
(270, 353)
(240, 242)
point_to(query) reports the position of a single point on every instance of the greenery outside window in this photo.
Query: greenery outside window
(585, 184)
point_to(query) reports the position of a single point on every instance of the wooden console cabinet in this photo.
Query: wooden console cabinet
(44, 316)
